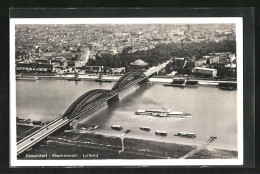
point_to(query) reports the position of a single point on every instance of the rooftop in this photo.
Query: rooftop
(139, 62)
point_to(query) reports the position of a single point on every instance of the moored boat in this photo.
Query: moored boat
(162, 113)
(103, 80)
(163, 133)
(75, 78)
(175, 85)
(152, 112)
(186, 134)
(228, 85)
(87, 127)
(116, 127)
(192, 83)
(93, 127)
(145, 128)
(179, 114)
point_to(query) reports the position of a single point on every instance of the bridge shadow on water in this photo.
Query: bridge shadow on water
(129, 97)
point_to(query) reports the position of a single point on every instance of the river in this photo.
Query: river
(213, 110)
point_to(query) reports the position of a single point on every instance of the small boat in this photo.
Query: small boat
(116, 127)
(163, 113)
(179, 114)
(103, 80)
(163, 133)
(28, 121)
(93, 127)
(20, 120)
(100, 79)
(87, 127)
(80, 126)
(186, 134)
(192, 83)
(145, 128)
(177, 83)
(75, 78)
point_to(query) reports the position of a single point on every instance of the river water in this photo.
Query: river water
(213, 110)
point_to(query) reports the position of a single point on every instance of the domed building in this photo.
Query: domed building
(138, 65)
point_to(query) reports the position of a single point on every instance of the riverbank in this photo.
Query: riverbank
(92, 145)
(114, 78)
(83, 77)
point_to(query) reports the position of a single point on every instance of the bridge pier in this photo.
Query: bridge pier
(143, 81)
(65, 127)
(68, 126)
(115, 98)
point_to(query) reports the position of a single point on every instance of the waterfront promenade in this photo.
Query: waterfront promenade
(114, 78)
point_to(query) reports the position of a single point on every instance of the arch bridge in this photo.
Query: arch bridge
(91, 98)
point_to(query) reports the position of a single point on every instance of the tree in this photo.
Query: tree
(163, 52)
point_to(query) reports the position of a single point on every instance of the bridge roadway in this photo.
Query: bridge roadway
(60, 122)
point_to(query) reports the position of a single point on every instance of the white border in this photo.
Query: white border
(162, 162)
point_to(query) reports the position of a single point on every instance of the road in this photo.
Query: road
(27, 143)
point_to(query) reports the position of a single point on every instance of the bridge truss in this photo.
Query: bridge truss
(91, 98)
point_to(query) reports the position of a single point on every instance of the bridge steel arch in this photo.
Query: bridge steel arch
(84, 100)
(89, 102)
(91, 97)
(125, 79)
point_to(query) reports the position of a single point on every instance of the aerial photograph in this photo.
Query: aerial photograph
(126, 91)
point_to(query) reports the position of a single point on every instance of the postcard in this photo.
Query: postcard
(126, 91)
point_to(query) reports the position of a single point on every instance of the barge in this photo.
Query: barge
(27, 78)
(186, 134)
(116, 127)
(162, 133)
(93, 127)
(145, 128)
(152, 111)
